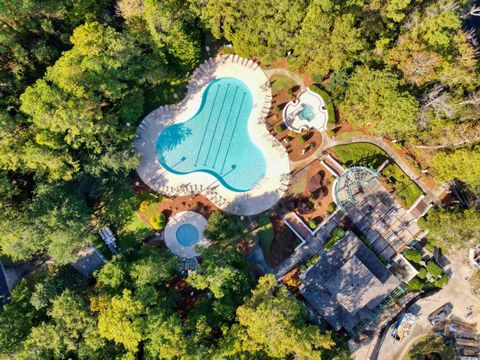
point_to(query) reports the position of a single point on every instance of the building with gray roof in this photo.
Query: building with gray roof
(347, 283)
(88, 260)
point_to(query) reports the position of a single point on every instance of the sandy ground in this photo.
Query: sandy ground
(458, 291)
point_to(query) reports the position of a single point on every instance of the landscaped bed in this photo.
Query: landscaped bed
(404, 187)
(299, 146)
(284, 243)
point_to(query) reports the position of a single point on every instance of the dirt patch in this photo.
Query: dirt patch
(284, 242)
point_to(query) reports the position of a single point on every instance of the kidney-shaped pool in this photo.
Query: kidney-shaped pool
(216, 140)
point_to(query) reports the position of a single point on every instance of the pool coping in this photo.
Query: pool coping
(170, 233)
(268, 190)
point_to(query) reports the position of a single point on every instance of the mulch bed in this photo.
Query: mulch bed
(289, 139)
(198, 203)
(284, 242)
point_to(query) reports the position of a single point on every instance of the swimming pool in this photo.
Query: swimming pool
(306, 113)
(187, 235)
(216, 140)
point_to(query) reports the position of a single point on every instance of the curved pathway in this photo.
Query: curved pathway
(327, 142)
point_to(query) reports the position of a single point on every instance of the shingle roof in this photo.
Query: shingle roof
(347, 282)
(88, 260)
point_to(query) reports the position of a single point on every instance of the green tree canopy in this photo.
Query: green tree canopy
(274, 322)
(375, 101)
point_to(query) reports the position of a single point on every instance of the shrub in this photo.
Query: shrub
(291, 134)
(279, 128)
(415, 284)
(312, 261)
(301, 140)
(440, 283)
(331, 207)
(434, 269)
(422, 273)
(159, 221)
(278, 108)
(290, 91)
(337, 234)
(430, 246)
(144, 206)
(364, 239)
(312, 224)
(413, 255)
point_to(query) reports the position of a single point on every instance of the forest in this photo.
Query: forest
(76, 78)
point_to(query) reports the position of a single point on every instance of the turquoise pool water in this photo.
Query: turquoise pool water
(306, 113)
(187, 235)
(216, 139)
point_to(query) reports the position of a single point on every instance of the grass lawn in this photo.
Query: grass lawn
(405, 188)
(347, 135)
(328, 103)
(427, 345)
(280, 82)
(360, 154)
(265, 234)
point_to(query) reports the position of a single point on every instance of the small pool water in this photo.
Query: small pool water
(306, 113)
(216, 139)
(187, 235)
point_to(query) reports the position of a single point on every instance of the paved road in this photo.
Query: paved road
(458, 291)
(4, 291)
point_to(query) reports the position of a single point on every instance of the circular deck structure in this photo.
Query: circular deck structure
(184, 232)
(355, 180)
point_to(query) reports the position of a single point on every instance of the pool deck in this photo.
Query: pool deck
(181, 218)
(267, 192)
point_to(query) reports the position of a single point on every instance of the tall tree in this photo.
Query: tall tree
(328, 40)
(174, 26)
(274, 322)
(258, 29)
(120, 318)
(374, 100)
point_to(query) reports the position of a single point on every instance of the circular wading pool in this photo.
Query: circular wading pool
(184, 232)
(187, 235)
